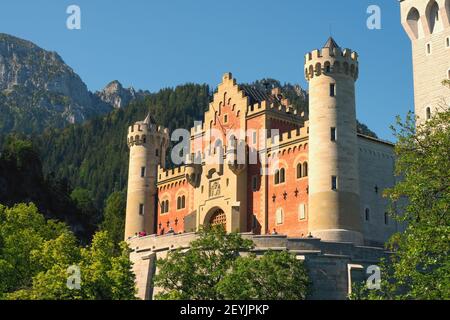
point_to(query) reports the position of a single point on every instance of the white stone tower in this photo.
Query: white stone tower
(334, 201)
(427, 23)
(148, 144)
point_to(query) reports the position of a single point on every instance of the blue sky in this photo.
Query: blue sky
(151, 44)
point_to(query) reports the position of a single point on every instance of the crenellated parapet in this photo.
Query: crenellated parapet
(289, 137)
(331, 60)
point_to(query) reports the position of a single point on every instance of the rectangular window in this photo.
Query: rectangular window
(332, 90)
(429, 48)
(302, 212)
(225, 118)
(333, 134)
(447, 42)
(386, 218)
(157, 152)
(255, 183)
(143, 172)
(334, 184)
(141, 209)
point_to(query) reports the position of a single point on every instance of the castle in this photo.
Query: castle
(307, 183)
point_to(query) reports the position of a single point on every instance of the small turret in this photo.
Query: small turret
(148, 144)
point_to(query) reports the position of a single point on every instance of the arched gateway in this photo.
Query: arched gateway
(218, 218)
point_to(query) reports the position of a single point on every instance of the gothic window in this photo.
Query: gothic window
(299, 171)
(181, 202)
(282, 175)
(165, 207)
(277, 177)
(305, 169)
(432, 15)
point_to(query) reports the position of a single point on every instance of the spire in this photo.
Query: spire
(331, 43)
(149, 119)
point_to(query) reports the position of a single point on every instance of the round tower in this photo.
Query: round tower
(334, 201)
(148, 144)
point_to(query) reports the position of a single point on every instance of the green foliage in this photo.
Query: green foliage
(35, 255)
(94, 156)
(420, 265)
(22, 180)
(114, 216)
(274, 276)
(83, 200)
(212, 269)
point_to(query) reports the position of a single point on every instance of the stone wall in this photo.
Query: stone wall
(328, 262)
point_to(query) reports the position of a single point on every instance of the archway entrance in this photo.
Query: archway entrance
(218, 218)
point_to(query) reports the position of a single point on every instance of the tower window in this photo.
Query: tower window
(386, 218)
(334, 184)
(447, 42)
(429, 48)
(141, 209)
(333, 134)
(157, 152)
(332, 90)
(367, 214)
(142, 172)
(428, 113)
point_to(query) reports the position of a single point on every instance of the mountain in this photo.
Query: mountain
(38, 90)
(117, 96)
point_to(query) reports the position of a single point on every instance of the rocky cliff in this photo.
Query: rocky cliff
(38, 90)
(117, 96)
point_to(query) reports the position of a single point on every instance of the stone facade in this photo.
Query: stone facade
(427, 23)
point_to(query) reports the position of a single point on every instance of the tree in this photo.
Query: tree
(114, 216)
(420, 266)
(84, 202)
(212, 269)
(274, 276)
(35, 257)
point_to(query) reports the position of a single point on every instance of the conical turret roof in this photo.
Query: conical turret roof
(331, 44)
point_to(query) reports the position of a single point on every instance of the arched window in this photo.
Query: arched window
(299, 171)
(279, 216)
(282, 175)
(432, 13)
(165, 206)
(305, 169)
(277, 177)
(413, 21)
(178, 203)
(327, 66)
(428, 113)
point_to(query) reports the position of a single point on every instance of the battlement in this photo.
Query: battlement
(331, 60)
(171, 174)
(289, 136)
(141, 132)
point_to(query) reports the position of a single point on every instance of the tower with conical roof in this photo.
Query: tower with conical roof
(334, 198)
(148, 144)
